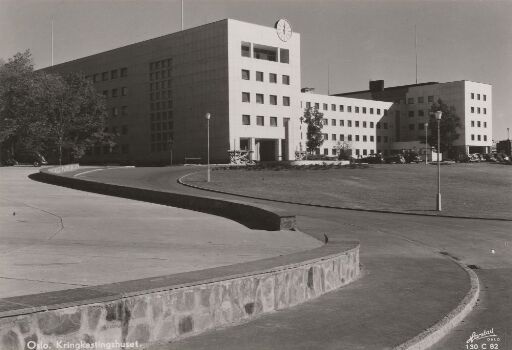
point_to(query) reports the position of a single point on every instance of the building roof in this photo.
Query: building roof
(387, 88)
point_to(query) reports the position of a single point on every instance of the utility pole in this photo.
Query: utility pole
(181, 14)
(416, 52)
(52, 44)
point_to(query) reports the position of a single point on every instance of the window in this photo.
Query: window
(114, 92)
(115, 112)
(364, 110)
(124, 130)
(342, 137)
(357, 138)
(246, 119)
(262, 52)
(333, 107)
(421, 113)
(246, 75)
(430, 98)
(385, 126)
(273, 99)
(349, 122)
(284, 55)
(357, 109)
(308, 104)
(349, 109)
(325, 137)
(272, 77)
(411, 126)
(333, 122)
(479, 137)
(259, 98)
(95, 78)
(113, 74)
(378, 111)
(478, 123)
(485, 110)
(478, 110)
(478, 97)
(421, 126)
(364, 152)
(420, 99)
(246, 49)
(357, 151)
(342, 108)
(472, 137)
(334, 151)
(472, 95)
(259, 76)
(379, 139)
(349, 137)
(260, 120)
(286, 101)
(342, 122)
(124, 110)
(273, 121)
(333, 137)
(324, 106)
(372, 138)
(371, 110)
(124, 72)
(104, 76)
(326, 151)
(246, 97)
(411, 114)
(485, 97)
(372, 125)
(485, 124)
(365, 138)
(357, 123)
(317, 105)
(410, 100)
(472, 123)
(485, 137)
(286, 80)
(364, 124)
(385, 139)
(124, 91)
(325, 121)
(472, 109)
(378, 125)
(105, 93)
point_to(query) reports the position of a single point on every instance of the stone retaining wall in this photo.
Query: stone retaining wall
(178, 312)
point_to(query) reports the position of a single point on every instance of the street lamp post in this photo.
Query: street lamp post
(439, 114)
(207, 116)
(426, 143)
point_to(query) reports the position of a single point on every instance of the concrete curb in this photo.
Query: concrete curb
(182, 182)
(435, 333)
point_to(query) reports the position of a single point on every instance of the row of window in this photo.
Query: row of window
(263, 52)
(116, 110)
(341, 108)
(484, 97)
(160, 85)
(478, 110)
(356, 138)
(479, 137)
(113, 74)
(260, 120)
(158, 126)
(116, 92)
(163, 115)
(272, 77)
(358, 152)
(161, 142)
(160, 95)
(356, 123)
(260, 98)
(419, 99)
(478, 124)
(156, 106)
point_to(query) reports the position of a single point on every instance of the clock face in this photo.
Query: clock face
(283, 29)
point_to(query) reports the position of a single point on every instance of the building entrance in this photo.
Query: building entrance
(267, 150)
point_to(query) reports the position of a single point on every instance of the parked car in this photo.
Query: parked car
(413, 157)
(29, 157)
(490, 157)
(395, 159)
(372, 159)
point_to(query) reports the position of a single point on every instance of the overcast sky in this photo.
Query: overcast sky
(361, 40)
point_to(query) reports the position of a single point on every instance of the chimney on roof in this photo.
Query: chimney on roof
(376, 85)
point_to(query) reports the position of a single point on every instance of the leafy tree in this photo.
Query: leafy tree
(448, 127)
(344, 150)
(313, 119)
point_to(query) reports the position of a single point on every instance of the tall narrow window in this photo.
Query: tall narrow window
(286, 101)
(246, 97)
(246, 74)
(260, 98)
(246, 49)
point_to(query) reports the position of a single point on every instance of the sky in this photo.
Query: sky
(358, 40)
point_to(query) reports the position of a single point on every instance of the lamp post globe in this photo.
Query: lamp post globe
(438, 115)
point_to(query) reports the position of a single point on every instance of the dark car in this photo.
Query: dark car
(372, 159)
(29, 157)
(412, 158)
(395, 159)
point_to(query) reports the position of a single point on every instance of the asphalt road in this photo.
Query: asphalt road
(391, 242)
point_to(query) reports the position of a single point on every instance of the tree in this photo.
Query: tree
(48, 112)
(313, 119)
(448, 127)
(344, 150)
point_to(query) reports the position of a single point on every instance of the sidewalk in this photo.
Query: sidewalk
(54, 238)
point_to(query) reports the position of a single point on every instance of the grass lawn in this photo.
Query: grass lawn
(481, 189)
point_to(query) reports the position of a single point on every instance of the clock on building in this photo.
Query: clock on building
(283, 29)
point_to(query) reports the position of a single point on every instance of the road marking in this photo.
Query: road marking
(100, 169)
